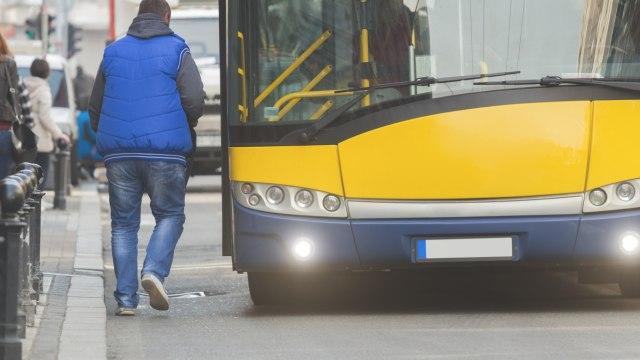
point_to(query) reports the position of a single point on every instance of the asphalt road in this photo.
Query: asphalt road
(368, 316)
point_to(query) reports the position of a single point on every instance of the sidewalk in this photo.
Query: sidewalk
(71, 316)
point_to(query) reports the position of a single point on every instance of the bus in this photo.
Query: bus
(384, 135)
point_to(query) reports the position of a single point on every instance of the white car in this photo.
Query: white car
(63, 111)
(199, 26)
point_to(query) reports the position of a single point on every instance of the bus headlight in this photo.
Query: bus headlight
(289, 200)
(626, 191)
(630, 243)
(254, 200)
(598, 197)
(275, 195)
(331, 203)
(613, 197)
(302, 249)
(304, 198)
(246, 188)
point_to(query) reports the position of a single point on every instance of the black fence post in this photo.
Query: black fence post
(61, 179)
(12, 198)
(35, 172)
(26, 297)
(33, 203)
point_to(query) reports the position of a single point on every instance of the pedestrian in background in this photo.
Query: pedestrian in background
(8, 83)
(147, 98)
(82, 87)
(43, 125)
(25, 104)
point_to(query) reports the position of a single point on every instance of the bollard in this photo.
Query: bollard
(11, 201)
(61, 166)
(10, 346)
(35, 201)
(25, 292)
(27, 295)
(35, 168)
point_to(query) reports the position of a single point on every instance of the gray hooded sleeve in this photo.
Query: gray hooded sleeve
(95, 103)
(191, 89)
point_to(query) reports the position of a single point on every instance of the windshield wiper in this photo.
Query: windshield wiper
(630, 84)
(310, 132)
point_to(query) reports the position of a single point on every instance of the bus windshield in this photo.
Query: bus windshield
(300, 52)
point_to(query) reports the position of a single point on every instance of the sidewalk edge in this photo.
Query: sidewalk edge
(84, 327)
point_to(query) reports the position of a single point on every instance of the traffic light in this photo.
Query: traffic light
(74, 34)
(34, 27)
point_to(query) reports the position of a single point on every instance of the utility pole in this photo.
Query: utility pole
(62, 24)
(2, 12)
(45, 28)
(112, 21)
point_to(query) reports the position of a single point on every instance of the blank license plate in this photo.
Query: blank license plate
(464, 249)
(208, 141)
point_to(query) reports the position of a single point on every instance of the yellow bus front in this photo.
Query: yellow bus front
(451, 174)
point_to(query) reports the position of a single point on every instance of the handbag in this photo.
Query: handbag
(24, 140)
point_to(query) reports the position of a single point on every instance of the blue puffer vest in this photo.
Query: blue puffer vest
(142, 116)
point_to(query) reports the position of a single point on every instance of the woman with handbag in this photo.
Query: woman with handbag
(8, 106)
(41, 101)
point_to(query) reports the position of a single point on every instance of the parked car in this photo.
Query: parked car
(199, 26)
(63, 111)
(64, 108)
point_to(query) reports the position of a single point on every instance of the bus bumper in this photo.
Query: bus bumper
(265, 241)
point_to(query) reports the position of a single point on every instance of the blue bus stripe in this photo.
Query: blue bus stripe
(422, 249)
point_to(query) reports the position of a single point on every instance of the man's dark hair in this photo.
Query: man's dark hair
(158, 7)
(40, 68)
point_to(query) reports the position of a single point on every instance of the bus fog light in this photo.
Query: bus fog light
(304, 198)
(630, 244)
(331, 203)
(254, 200)
(302, 249)
(246, 188)
(598, 197)
(275, 195)
(626, 191)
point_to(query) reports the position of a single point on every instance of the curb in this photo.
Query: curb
(84, 327)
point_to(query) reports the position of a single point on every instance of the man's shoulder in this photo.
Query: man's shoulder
(116, 45)
(179, 38)
(175, 40)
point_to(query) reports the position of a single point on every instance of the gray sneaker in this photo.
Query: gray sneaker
(123, 311)
(158, 297)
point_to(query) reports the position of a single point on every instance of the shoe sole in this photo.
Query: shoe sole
(157, 298)
(126, 313)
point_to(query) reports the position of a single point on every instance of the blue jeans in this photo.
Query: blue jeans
(6, 154)
(165, 183)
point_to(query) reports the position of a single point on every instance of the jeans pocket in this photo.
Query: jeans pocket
(167, 172)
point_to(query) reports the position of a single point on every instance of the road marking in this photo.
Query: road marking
(521, 329)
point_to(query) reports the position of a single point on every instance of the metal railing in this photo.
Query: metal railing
(20, 274)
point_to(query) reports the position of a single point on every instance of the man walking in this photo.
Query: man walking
(147, 98)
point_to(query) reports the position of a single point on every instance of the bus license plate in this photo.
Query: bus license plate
(464, 249)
